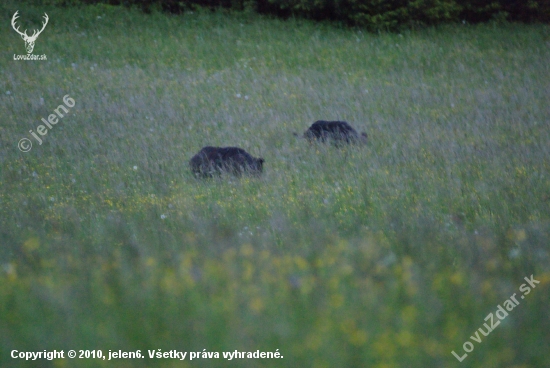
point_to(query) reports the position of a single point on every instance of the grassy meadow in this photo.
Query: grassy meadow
(385, 255)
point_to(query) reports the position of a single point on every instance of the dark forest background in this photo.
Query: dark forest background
(370, 14)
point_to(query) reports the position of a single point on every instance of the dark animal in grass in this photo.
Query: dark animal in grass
(337, 132)
(212, 161)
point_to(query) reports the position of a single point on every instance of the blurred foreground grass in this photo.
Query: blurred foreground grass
(389, 255)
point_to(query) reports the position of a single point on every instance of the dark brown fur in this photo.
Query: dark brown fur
(212, 161)
(334, 131)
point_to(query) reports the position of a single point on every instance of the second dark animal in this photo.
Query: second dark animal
(212, 161)
(334, 131)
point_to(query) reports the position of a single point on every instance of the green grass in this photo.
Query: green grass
(388, 255)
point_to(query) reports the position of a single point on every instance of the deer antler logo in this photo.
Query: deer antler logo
(29, 40)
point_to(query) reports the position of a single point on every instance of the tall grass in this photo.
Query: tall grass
(387, 255)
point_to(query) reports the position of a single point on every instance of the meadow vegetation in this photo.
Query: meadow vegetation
(384, 255)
